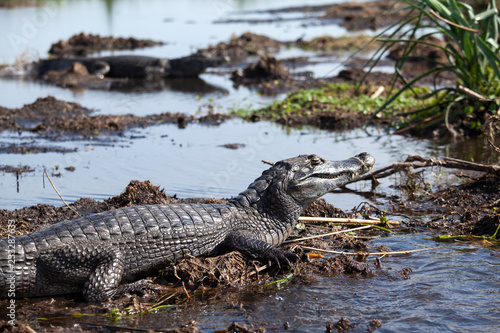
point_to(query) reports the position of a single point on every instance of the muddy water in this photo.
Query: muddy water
(453, 288)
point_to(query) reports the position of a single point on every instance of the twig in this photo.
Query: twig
(267, 162)
(472, 94)
(60, 196)
(325, 235)
(417, 161)
(343, 220)
(378, 92)
(368, 253)
(185, 291)
(257, 270)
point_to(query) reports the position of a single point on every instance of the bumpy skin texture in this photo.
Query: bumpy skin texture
(103, 254)
(131, 66)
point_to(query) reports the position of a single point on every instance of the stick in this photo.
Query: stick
(60, 196)
(328, 234)
(417, 161)
(377, 93)
(368, 253)
(343, 220)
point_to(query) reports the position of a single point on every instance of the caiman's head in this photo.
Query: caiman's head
(311, 177)
(289, 186)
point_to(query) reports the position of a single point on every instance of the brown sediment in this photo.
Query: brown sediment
(51, 117)
(84, 44)
(239, 48)
(472, 208)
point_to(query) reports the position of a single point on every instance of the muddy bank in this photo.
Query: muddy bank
(52, 118)
(354, 16)
(240, 48)
(84, 44)
(471, 208)
(270, 76)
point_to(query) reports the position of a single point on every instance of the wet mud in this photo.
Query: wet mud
(240, 48)
(84, 44)
(471, 208)
(52, 118)
(354, 16)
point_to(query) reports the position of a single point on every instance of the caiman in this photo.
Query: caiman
(106, 254)
(134, 66)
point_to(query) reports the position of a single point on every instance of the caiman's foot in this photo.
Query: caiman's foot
(141, 287)
(279, 257)
(257, 249)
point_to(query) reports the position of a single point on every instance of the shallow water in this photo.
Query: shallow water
(453, 288)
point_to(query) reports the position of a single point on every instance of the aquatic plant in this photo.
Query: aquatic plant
(471, 53)
(335, 97)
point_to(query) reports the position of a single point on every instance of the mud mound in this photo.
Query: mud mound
(339, 265)
(424, 52)
(268, 75)
(52, 118)
(344, 43)
(43, 109)
(84, 44)
(468, 209)
(487, 226)
(266, 69)
(321, 208)
(483, 193)
(241, 47)
(367, 15)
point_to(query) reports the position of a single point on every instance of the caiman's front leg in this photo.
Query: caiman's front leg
(98, 268)
(256, 249)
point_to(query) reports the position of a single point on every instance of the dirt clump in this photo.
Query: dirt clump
(239, 48)
(321, 208)
(343, 325)
(267, 70)
(53, 118)
(428, 51)
(84, 44)
(469, 208)
(339, 265)
(339, 44)
(239, 328)
(367, 15)
(19, 169)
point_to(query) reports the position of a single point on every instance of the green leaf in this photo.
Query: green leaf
(486, 14)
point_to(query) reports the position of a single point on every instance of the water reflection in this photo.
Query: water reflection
(183, 85)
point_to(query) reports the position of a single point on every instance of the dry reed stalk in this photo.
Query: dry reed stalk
(344, 220)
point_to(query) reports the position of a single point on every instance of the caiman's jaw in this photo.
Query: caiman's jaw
(313, 176)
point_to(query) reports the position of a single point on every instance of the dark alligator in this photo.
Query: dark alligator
(103, 254)
(132, 66)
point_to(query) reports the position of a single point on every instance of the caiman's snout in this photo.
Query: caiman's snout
(316, 176)
(367, 162)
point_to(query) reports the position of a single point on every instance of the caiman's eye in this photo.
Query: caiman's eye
(315, 159)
